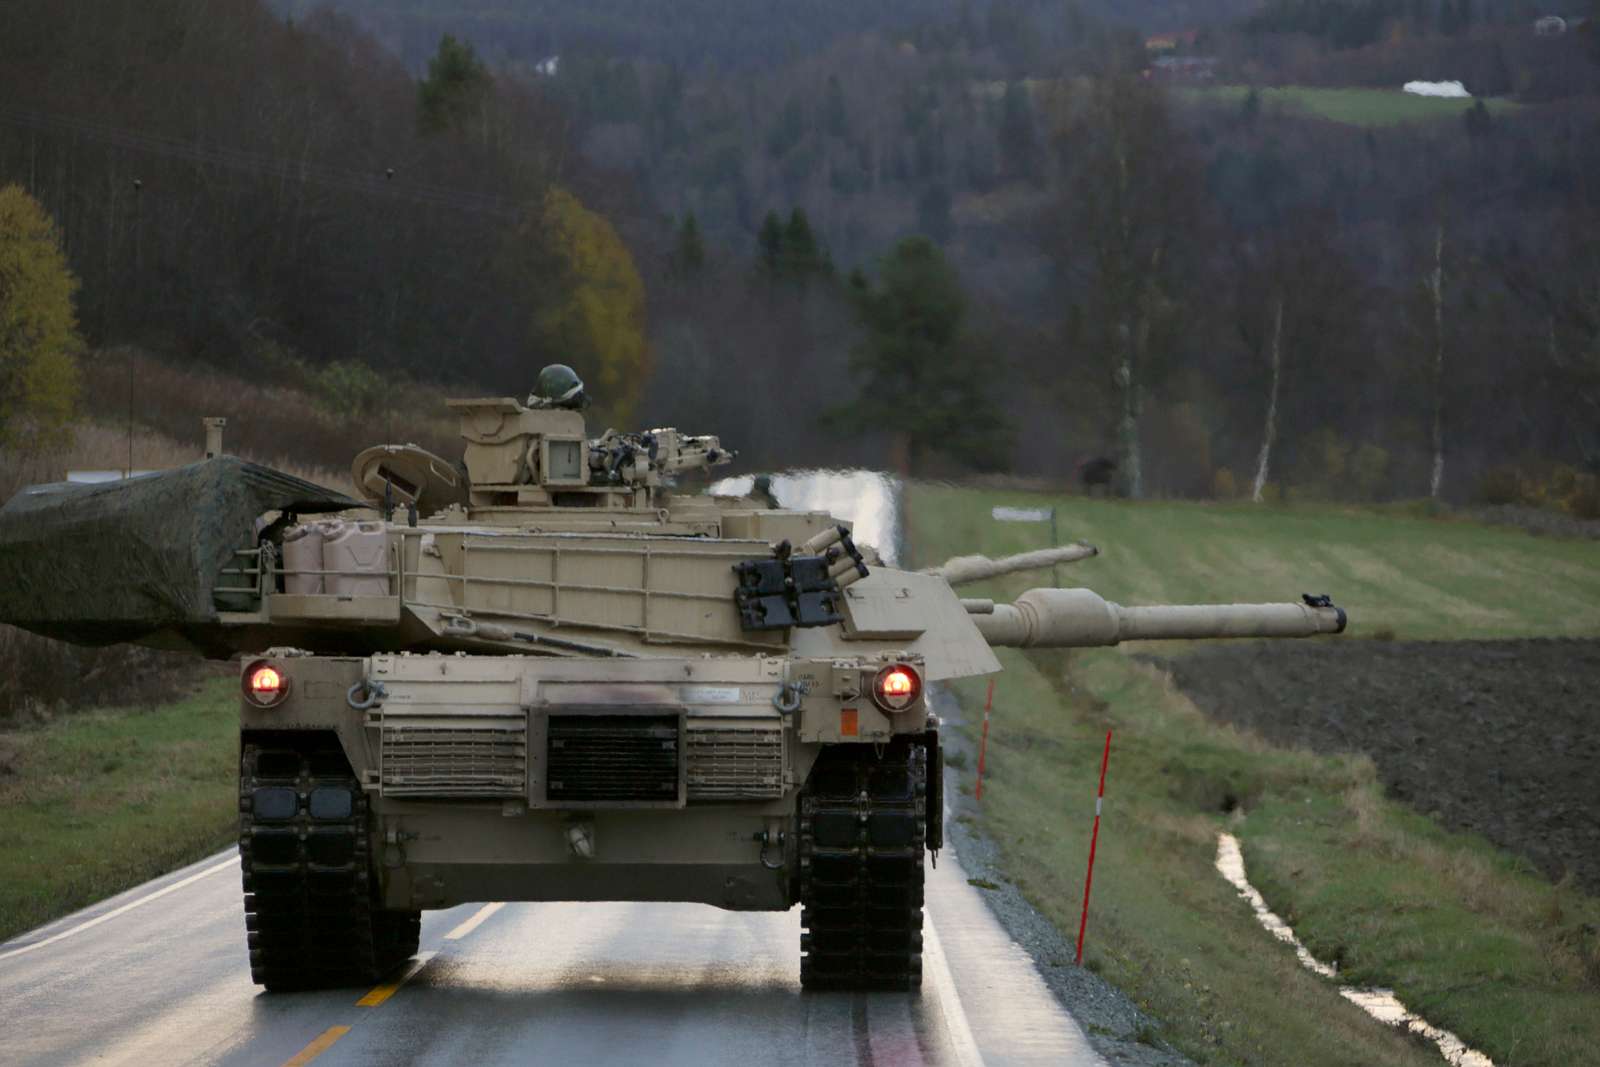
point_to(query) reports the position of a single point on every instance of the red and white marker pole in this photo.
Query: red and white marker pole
(1094, 838)
(983, 742)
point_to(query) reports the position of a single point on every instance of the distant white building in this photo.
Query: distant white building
(1445, 89)
(548, 66)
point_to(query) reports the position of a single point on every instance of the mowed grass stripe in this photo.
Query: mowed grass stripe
(1351, 105)
(1417, 577)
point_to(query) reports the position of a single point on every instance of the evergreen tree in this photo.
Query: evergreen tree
(914, 354)
(454, 90)
(800, 255)
(770, 241)
(689, 255)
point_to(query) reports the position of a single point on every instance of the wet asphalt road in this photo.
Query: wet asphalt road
(159, 975)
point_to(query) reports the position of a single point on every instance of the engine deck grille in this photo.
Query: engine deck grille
(476, 756)
(733, 763)
(612, 759)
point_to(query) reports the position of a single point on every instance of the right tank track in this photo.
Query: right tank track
(311, 915)
(863, 829)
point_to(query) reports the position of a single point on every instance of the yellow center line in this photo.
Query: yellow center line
(474, 922)
(323, 1042)
(388, 989)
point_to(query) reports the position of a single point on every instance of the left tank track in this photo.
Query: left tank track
(863, 831)
(312, 918)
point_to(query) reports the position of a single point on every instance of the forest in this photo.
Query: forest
(1008, 236)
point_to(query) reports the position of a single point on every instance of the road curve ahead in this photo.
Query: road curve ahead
(159, 975)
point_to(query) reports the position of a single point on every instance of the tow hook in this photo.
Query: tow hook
(790, 695)
(365, 695)
(580, 838)
(766, 837)
(394, 846)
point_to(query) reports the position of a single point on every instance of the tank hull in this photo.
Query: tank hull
(543, 779)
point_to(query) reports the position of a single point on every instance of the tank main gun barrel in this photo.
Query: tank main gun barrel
(964, 569)
(1079, 618)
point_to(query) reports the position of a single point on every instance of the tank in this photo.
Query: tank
(543, 674)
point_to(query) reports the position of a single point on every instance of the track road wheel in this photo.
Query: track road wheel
(312, 919)
(863, 830)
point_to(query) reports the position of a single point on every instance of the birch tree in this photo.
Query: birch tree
(1128, 200)
(1300, 310)
(1270, 433)
(1434, 283)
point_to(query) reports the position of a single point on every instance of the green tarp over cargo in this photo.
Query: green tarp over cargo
(138, 559)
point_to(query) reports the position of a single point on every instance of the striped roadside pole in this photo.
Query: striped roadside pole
(983, 742)
(1094, 838)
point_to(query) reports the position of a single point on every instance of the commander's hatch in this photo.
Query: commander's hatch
(410, 476)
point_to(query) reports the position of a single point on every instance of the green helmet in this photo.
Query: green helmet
(559, 387)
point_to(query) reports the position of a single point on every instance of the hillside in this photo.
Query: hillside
(725, 33)
(1411, 299)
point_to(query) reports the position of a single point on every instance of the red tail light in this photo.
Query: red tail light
(897, 687)
(265, 685)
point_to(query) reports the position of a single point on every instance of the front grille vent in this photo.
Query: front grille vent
(734, 764)
(455, 756)
(623, 759)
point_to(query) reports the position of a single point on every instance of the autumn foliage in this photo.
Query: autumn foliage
(596, 324)
(39, 342)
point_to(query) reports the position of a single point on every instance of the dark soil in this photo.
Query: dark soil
(1499, 737)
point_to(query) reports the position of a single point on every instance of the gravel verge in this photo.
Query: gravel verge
(1116, 1028)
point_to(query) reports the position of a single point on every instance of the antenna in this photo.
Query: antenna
(388, 375)
(138, 219)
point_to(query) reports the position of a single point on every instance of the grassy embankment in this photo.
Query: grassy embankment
(95, 798)
(1352, 106)
(1464, 933)
(96, 802)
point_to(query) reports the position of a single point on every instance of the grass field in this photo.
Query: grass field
(1397, 574)
(1355, 107)
(96, 802)
(1466, 935)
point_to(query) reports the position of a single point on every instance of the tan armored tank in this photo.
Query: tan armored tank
(542, 675)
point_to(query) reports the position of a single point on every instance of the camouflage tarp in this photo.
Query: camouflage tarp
(136, 559)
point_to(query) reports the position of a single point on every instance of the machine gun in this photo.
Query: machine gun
(649, 458)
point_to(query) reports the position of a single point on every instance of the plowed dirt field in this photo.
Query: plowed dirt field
(1500, 737)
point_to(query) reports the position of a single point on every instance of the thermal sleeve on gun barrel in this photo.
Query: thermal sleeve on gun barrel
(1075, 618)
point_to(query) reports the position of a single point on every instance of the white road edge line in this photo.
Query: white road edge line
(473, 923)
(232, 861)
(955, 1016)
